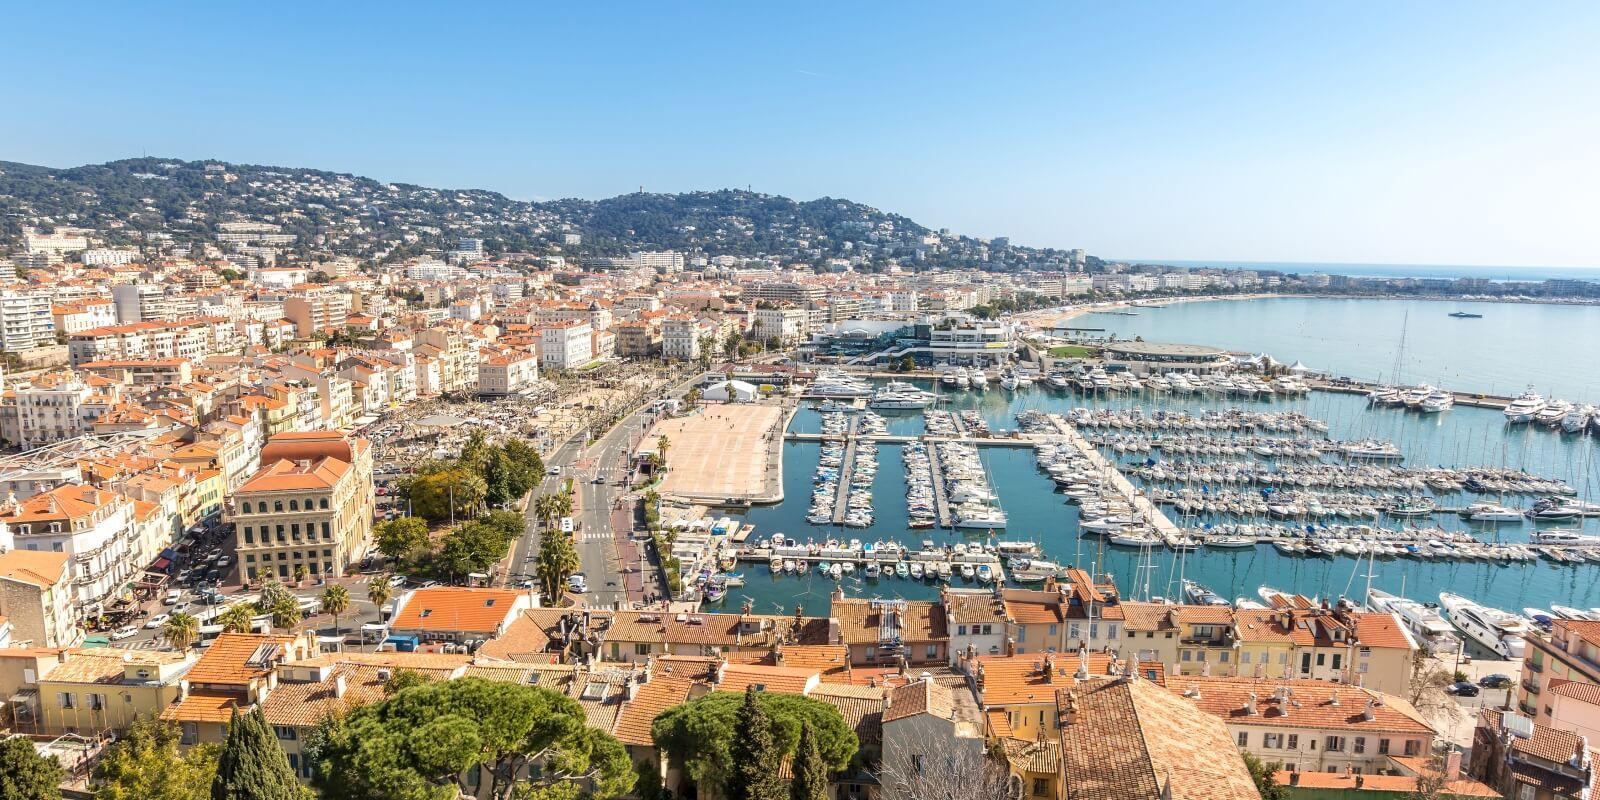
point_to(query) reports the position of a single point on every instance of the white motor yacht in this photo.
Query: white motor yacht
(1552, 413)
(1499, 631)
(1009, 381)
(1524, 407)
(1436, 401)
(1577, 418)
(1491, 512)
(1423, 619)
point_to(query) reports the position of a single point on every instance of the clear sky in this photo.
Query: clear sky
(1429, 133)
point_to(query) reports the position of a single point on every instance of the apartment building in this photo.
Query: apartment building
(108, 689)
(94, 528)
(783, 292)
(317, 312)
(1311, 726)
(566, 345)
(26, 320)
(638, 340)
(310, 504)
(1571, 653)
(505, 374)
(788, 325)
(1527, 760)
(680, 338)
(192, 340)
(36, 414)
(83, 315)
(36, 597)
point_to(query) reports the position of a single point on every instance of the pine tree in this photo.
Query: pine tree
(252, 765)
(754, 756)
(810, 771)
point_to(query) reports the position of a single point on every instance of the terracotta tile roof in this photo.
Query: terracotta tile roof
(861, 707)
(288, 476)
(1262, 626)
(1227, 699)
(530, 636)
(34, 567)
(238, 658)
(1147, 616)
(999, 723)
(1577, 690)
(204, 706)
(105, 664)
(1020, 680)
(1037, 756)
(784, 680)
(452, 608)
(305, 703)
(659, 694)
(1393, 784)
(1381, 630)
(973, 607)
(918, 698)
(1132, 739)
(1586, 630)
(923, 621)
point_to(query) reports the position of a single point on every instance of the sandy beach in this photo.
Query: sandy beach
(722, 452)
(1050, 318)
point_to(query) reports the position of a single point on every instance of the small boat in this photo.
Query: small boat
(1465, 315)
(1567, 612)
(788, 565)
(802, 566)
(776, 566)
(901, 570)
(967, 572)
(848, 568)
(873, 570)
(1539, 616)
(916, 571)
(985, 575)
(835, 571)
(823, 568)
(1201, 596)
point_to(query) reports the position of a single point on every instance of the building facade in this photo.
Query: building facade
(309, 505)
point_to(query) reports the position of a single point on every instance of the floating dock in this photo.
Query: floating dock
(847, 468)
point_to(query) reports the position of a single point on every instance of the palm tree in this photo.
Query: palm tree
(180, 630)
(236, 618)
(662, 445)
(563, 504)
(379, 591)
(285, 613)
(335, 601)
(545, 509)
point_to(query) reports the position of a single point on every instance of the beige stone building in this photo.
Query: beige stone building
(36, 596)
(310, 504)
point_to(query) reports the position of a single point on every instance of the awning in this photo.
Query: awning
(161, 563)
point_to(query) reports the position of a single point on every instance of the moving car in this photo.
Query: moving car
(157, 620)
(1463, 689)
(172, 597)
(1496, 681)
(124, 633)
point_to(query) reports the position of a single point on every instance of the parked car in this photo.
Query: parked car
(124, 633)
(172, 597)
(1495, 681)
(397, 580)
(1463, 689)
(157, 621)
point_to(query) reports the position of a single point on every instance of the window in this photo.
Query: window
(1244, 658)
(1358, 744)
(1412, 747)
(1094, 630)
(249, 537)
(1272, 741)
(1022, 633)
(1294, 741)
(1322, 658)
(1223, 656)
(277, 505)
(1072, 630)
(191, 733)
(1041, 787)
(97, 702)
(66, 700)
(1333, 744)
(961, 630)
(1383, 747)
(326, 531)
(294, 505)
(1244, 738)
(1054, 628)
(294, 531)
(1185, 655)
(1525, 792)
(641, 649)
(285, 732)
(987, 629)
(323, 503)
(1336, 657)
(933, 651)
(246, 507)
(1111, 631)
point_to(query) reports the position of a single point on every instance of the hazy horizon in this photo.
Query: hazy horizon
(1415, 133)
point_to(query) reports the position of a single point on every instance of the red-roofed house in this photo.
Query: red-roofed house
(310, 504)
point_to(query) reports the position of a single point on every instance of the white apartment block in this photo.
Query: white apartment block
(26, 320)
(566, 345)
(317, 311)
(680, 338)
(143, 340)
(34, 416)
(107, 257)
(95, 528)
(785, 324)
(434, 271)
(905, 300)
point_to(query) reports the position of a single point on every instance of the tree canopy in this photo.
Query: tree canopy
(252, 765)
(402, 537)
(145, 764)
(417, 744)
(699, 733)
(26, 775)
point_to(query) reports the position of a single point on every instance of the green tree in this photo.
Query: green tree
(236, 618)
(509, 524)
(379, 591)
(497, 472)
(285, 613)
(699, 733)
(252, 766)
(472, 547)
(454, 491)
(26, 775)
(272, 591)
(146, 764)
(752, 754)
(810, 771)
(558, 561)
(527, 467)
(420, 744)
(401, 680)
(299, 574)
(402, 537)
(180, 630)
(1262, 773)
(908, 364)
(475, 451)
(663, 444)
(335, 601)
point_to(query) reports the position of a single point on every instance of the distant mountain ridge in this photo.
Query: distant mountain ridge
(353, 215)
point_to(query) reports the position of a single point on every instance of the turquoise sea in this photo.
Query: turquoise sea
(1459, 437)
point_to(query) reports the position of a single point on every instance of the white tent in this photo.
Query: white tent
(1298, 367)
(731, 392)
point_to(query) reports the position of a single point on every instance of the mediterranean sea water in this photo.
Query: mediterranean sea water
(1460, 437)
(1493, 273)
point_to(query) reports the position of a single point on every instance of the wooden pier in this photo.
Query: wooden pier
(941, 503)
(841, 497)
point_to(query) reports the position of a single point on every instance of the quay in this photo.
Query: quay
(847, 468)
(1148, 510)
(1473, 399)
(885, 438)
(941, 502)
(885, 558)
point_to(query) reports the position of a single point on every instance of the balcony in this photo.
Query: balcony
(1534, 666)
(1530, 686)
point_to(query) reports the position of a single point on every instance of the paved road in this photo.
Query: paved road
(596, 541)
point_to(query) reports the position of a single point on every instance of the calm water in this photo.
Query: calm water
(1515, 344)
(1462, 436)
(1496, 273)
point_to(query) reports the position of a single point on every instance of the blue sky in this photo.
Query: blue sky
(1432, 133)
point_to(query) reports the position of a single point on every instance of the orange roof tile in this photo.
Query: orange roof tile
(452, 608)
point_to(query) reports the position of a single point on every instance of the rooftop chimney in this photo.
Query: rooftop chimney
(339, 685)
(1069, 709)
